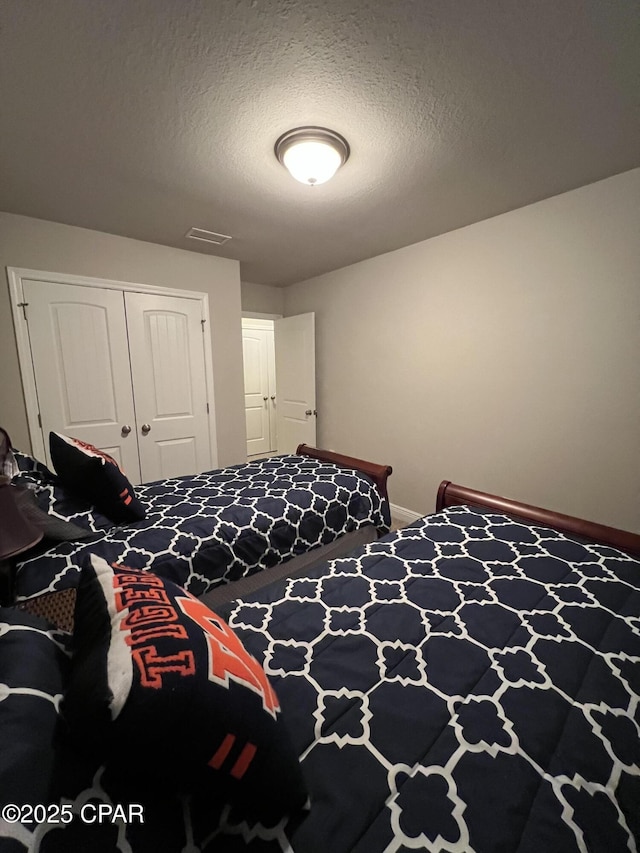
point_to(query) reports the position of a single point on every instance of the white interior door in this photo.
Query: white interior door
(296, 374)
(168, 369)
(80, 357)
(259, 385)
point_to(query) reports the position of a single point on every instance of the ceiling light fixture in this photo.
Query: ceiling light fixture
(312, 154)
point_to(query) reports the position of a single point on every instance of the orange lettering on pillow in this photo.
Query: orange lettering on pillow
(93, 451)
(156, 632)
(218, 759)
(145, 622)
(228, 658)
(151, 622)
(152, 666)
(142, 578)
(149, 613)
(127, 595)
(244, 760)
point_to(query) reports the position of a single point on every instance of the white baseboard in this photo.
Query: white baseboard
(403, 515)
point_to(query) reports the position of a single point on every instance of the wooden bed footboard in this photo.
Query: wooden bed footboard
(378, 473)
(451, 494)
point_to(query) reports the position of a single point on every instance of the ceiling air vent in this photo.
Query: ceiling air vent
(207, 236)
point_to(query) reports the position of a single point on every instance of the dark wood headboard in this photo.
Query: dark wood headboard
(378, 473)
(451, 494)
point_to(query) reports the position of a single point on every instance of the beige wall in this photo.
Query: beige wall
(52, 247)
(262, 299)
(505, 356)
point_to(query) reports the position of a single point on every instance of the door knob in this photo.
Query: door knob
(308, 412)
(273, 397)
(265, 399)
(145, 429)
(126, 429)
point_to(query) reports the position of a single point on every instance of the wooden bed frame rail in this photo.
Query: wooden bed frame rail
(378, 473)
(451, 494)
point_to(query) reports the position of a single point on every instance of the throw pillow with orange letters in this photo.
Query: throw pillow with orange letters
(95, 476)
(161, 688)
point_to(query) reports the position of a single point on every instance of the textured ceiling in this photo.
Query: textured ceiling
(146, 118)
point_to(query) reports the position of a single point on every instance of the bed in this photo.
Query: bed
(470, 682)
(211, 529)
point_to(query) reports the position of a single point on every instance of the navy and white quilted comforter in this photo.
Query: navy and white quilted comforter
(212, 528)
(465, 684)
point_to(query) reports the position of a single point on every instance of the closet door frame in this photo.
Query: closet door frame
(16, 275)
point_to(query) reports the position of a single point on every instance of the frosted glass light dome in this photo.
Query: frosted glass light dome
(312, 154)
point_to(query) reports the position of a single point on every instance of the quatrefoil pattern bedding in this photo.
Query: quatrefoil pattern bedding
(212, 528)
(467, 684)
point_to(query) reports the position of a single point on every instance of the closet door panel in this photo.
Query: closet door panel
(80, 360)
(168, 370)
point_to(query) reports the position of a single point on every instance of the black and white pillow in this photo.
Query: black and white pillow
(163, 691)
(53, 498)
(95, 476)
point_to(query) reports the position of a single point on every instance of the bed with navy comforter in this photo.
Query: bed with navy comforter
(206, 530)
(467, 683)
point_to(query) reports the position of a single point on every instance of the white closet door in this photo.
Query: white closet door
(80, 359)
(168, 369)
